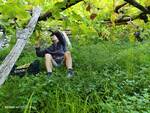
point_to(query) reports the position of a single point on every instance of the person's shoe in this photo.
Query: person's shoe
(70, 73)
(49, 74)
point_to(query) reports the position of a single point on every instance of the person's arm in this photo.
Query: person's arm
(62, 39)
(39, 52)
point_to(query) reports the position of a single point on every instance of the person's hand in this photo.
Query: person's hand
(37, 43)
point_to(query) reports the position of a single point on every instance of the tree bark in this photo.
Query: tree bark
(22, 37)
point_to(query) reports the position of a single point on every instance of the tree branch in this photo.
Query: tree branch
(123, 21)
(48, 14)
(120, 6)
(137, 5)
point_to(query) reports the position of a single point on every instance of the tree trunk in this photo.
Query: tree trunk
(22, 37)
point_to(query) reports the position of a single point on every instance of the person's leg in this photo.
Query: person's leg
(68, 60)
(48, 63)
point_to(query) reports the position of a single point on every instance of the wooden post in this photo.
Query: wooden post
(22, 37)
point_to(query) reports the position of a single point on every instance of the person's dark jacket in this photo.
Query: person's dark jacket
(56, 50)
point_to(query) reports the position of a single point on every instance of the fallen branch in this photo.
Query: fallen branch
(22, 37)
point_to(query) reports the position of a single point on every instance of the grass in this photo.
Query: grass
(109, 78)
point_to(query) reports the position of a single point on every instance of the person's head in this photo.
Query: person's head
(54, 39)
(55, 36)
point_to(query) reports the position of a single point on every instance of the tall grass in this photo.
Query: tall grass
(109, 78)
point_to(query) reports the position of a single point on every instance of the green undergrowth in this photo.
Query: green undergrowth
(109, 78)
